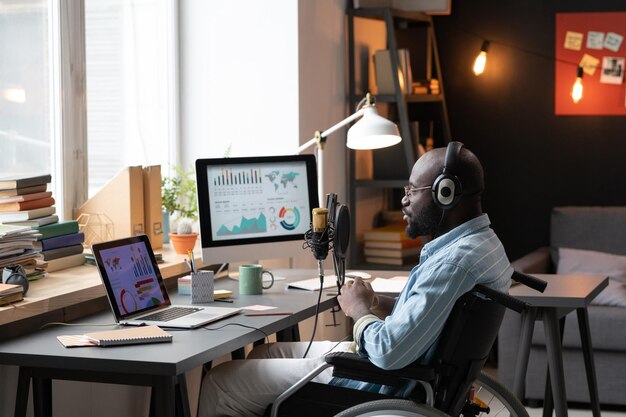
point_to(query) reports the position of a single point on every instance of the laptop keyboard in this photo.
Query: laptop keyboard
(170, 313)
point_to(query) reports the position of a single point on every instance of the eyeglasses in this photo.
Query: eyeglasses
(408, 190)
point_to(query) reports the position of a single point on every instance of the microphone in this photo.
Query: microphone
(320, 236)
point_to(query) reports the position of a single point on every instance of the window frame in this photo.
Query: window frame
(69, 106)
(69, 101)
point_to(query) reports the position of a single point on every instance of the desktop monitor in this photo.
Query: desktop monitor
(255, 207)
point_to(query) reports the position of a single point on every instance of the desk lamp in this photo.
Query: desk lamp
(371, 132)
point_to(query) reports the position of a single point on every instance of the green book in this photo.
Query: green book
(57, 229)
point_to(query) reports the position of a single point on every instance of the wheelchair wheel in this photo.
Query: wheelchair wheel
(391, 408)
(497, 397)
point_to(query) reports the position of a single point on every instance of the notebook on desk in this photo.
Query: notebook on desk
(330, 281)
(136, 291)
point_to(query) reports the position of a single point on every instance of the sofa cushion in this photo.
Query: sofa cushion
(577, 261)
(592, 228)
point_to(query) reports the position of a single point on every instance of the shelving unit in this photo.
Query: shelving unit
(415, 32)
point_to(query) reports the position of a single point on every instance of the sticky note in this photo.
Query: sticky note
(613, 41)
(595, 40)
(589, 64)
(573, 40)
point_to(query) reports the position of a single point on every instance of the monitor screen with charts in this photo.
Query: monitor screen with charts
(255, 207)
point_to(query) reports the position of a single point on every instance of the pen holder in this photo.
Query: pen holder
(202, 287)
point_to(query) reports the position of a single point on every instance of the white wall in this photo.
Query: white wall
(322, 83)
(239, 81)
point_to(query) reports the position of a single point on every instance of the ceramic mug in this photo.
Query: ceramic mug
(251, 279)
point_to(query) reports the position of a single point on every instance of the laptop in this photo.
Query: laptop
(136, 291)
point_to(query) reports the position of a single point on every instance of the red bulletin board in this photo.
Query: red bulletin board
(598, 98)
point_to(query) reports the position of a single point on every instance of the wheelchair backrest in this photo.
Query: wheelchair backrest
(467, 338)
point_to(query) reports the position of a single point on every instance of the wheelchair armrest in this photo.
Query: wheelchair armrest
(352, 366)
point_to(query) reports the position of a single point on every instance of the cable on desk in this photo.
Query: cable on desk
(241, 325)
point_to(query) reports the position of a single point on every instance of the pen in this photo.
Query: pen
(269, 314)
(193, 262)
(224, 300)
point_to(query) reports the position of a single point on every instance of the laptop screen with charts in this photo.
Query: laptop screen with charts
(136, 291)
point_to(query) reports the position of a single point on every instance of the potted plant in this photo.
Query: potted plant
(178, 198)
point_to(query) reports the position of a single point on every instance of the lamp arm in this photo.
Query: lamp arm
(342, 123)
(318, 140)
(330, 130)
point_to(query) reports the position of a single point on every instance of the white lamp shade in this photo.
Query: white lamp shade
(372, 132)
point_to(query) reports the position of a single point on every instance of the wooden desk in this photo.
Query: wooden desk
(71, 294)
(42, 358)
(563, 294)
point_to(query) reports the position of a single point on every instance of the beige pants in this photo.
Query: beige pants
(247, 387)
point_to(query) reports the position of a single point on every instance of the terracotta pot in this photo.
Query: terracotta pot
(183, 243)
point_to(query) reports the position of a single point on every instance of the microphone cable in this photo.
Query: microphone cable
(317, 312)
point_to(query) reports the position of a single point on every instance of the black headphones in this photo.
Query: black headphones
(15, 274)
(447, 188)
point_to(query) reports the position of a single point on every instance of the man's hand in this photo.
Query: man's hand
(357, 298)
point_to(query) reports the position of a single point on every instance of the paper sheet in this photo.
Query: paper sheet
(258, 307)
(390, 286)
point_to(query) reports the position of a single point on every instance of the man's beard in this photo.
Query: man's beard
(425, 222)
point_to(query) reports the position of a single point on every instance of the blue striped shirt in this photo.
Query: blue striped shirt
(449, 266)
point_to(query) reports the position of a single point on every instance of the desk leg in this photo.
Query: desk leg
(521, 364)
(164, 396)
(182, 399)
(291, 334)
(548, 401)
(23, 386)
(555, 361)
(585, 337)
(238, 354)
(42, 396)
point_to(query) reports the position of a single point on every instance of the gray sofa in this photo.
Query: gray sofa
(601, 229)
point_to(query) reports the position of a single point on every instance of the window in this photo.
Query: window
(25, 88)
(131, 102)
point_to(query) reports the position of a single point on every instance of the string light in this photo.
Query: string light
(577, 88)
(481, 59)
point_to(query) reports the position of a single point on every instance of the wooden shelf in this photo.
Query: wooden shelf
(77, 285)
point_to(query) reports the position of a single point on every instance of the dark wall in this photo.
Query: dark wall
(533, 159)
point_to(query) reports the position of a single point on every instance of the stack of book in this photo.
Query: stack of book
(389, 245)
(429, 86)
(25, 199)
(61, 244)
(24, 202)
(10, 293)
(17, 247)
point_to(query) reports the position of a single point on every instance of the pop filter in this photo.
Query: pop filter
(341, 238)
(342, 231)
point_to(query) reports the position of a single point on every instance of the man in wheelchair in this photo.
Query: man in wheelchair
(443, 199)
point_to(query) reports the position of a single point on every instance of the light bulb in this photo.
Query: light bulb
(481, 59)
(577, 89)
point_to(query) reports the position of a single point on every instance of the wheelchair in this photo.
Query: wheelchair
(451, 385)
